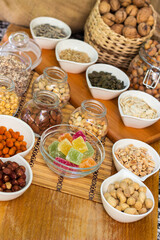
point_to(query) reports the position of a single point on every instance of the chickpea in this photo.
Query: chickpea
(142, 189)
(131, 201)
(148, 203)
(142, 210)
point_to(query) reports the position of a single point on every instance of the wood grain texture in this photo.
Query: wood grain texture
(45, 214)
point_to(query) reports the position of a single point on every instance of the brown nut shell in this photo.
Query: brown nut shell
(120, 15)
(125, 3)
(115, 5)
(132, 10)
(104, 7)
(143, 14)
(109, 19)
(117, 28)
(130, 32)
(144, 29)
(131, 21)
(139, 3)
(150, 20)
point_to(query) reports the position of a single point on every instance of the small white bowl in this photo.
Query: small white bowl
(102, 93)
(113, 212)
(77, 45)
(22, 127)
(6, 196)
(123, 143)
(48, 43)
(136, 122)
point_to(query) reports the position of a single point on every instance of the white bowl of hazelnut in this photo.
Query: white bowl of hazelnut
(125, 198)
(138, 109)
(135, 156)
(75, 56)
(15, 177)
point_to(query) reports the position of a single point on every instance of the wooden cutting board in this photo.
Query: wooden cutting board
(80, 92)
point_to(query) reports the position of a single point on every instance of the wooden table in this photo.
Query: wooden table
(44, 214)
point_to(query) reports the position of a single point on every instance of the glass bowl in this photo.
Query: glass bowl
(52, 134)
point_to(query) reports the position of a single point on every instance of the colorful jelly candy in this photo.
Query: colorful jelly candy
(88, 162)
(65, 135)
(53, 150)
(74, 156)
(68, 164)
(90, 151)
(78, 134)
(79, 144)
(64, 146)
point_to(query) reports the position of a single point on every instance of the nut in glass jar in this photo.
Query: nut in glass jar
(54, 79)
(91, 116)
(42, 111)
(9, 101)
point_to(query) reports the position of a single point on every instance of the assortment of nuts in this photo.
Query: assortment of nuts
(105, 80)
(41, 112)
(9, 101)
(138, 68)
(137, 107)
(49, 31)
(128, 197)
(59, 88)
(14, 69)
(97, 126)
(130, 18)
(12, 176)
(75, 56)
(137, 160)
(11, 142)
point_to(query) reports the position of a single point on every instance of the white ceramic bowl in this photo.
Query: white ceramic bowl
(136, 122)
(102, 93)
(22, 127)
(5, 196)
(113, 212)
(48, 43)
(77, 45)
(123, 143)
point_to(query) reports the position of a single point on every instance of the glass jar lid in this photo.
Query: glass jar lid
(20, 41)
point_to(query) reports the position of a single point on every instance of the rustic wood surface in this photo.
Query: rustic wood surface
(41, 213)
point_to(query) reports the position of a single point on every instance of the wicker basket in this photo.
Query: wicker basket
(112, 48)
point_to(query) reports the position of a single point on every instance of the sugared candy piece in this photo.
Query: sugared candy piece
(53, 150)
(78, 134)
(74, 156)
(65, 135)
(90, 151)
(61, 160)
(64, 146)
(88, 162)
(79, 144)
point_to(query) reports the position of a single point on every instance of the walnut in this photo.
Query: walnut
(120, 15)
(104, 7)
(144, 29)
(117, 28)
(130, 32)
(125, 3)
(150, 20)
(109, 19)
(115, 5)
(139, 3)
(132, 10)
(131, 21)
(143, 14)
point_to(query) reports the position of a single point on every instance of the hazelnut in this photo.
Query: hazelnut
(8, 185)
(21, 182)
(7, 171)
(13, 175)
(19, 172)
(14, 165)
(6, 178)
(14, 182)
(16, 188)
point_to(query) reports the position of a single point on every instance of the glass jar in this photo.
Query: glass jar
(144, 70)
(91, 116)
(20, 42)
(16, 67)
(42, 111)
(9, 100)
(54, 79)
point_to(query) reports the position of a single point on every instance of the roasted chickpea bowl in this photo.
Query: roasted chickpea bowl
(125, 198)
(16, 137)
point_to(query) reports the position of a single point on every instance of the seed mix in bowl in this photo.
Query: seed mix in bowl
(135, 159)
(75, 56)
(49, 31)
(137, 107)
